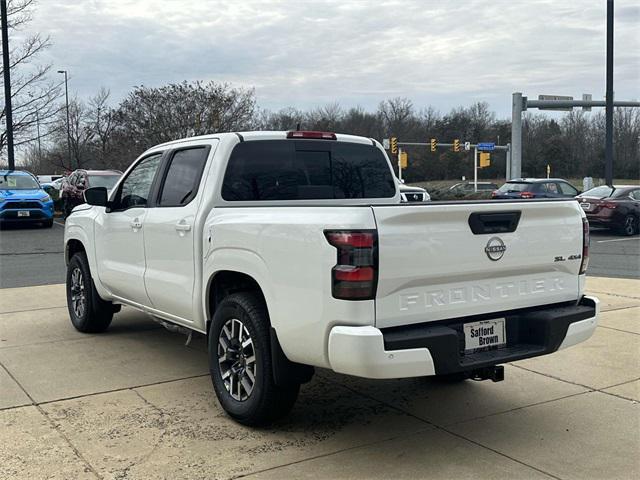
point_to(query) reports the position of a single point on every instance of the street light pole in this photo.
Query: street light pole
(6, 66)
(608, 115)
(66, 94)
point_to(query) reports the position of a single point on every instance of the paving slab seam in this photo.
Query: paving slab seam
(618, 330)
(515, 409)
(622, 397)
(53, 425)
(79, 339)
(444, 429)
(123, 389)
(31, 309)
(614, 294)
(592, 389)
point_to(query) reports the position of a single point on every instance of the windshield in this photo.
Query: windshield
(107, 181)
(18, 182)
(514, 187)
(602, 191)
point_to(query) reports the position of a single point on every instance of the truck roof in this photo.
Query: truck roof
(265, 135)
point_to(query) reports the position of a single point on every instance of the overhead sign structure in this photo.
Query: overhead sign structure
(394, 145)
(486, 147)
(555, 97)
(456, 145)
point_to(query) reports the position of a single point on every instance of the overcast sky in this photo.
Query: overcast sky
(309, 53)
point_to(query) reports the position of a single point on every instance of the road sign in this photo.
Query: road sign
(404, 159)
(548, 170)
(467, 146)
(555, 97)
(486, 147)
(434, 145)
(456, 145)
(394, 145)
(385, 143)
(485, 159)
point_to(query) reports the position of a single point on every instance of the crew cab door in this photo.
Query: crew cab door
(119, 233)
(171, 238)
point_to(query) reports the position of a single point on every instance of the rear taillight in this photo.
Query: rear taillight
(494, 194)
(608, 205)
(585, 246)
(355, 275)
(312, 134)
(526, 194)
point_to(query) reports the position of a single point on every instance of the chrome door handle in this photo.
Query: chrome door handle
(135, 223)
(183, 227)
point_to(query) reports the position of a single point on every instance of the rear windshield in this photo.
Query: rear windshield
(515, 187)
(598, 192)
(107, 181)
(306, 170)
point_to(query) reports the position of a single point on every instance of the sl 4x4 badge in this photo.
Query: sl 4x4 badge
(495, 248)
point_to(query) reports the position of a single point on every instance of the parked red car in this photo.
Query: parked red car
(617, 208)
(72, 192)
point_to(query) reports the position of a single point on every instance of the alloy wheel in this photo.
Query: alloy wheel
(630, 225)
(237, 359)
(78, 297)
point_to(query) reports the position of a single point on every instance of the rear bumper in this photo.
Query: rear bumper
(422, 350)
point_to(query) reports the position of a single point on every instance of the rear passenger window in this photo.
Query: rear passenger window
(183, 177)
(306, 170)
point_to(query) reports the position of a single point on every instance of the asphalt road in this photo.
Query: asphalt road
(34, 255)
(31, 255)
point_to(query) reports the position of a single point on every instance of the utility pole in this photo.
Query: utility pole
(608, 149)
(66, 94)
(6, 66)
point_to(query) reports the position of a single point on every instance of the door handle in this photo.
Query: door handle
(136, 223)
(182, 226)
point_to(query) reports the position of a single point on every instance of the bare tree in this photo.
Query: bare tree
(33, 96)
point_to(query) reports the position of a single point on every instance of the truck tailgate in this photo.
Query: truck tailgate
(432, 266)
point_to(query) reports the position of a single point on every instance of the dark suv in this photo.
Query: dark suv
(536, 188)
(72, 192)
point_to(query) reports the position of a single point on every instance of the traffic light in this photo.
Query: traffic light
(404, 159)
(434, 145)
(456, 145)
(394, 145)
(485, 159)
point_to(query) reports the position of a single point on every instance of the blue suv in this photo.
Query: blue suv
(22, 199)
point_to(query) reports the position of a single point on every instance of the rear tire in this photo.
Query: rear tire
(630, 225)
(240, 362)
(88, 312)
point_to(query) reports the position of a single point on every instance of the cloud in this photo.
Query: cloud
(304, 53)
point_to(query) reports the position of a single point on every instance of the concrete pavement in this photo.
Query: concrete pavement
(136, 403)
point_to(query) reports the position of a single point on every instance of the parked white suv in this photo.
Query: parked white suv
(291, 250)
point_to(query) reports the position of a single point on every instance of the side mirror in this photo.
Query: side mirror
(96, 196)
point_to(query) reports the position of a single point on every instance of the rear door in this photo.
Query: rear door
(444, 261)
(170, 240)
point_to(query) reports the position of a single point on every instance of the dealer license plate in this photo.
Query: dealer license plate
(24, 213)
(483, 334)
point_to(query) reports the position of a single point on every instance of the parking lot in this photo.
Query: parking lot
(136, 402)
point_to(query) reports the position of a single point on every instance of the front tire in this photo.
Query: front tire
(88, 312)
(240, 362)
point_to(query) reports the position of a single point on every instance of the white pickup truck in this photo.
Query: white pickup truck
(291, 250)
